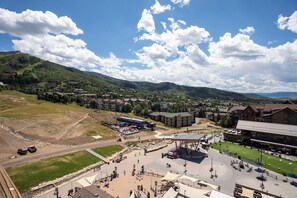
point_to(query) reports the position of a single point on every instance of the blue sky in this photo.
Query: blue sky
(236, 45)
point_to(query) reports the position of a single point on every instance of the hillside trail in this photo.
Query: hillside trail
(71, 126)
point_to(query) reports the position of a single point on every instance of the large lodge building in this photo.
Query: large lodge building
(272, 113)
(269, 126)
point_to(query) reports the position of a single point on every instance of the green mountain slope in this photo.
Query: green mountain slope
(30, 74)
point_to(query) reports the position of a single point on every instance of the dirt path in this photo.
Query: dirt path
(71, 126)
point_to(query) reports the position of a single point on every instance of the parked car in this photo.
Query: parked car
(294, 183)
(22, 151)
(32, 149)
(172, 154)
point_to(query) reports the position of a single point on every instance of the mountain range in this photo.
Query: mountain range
(284, 95)
(28, 73)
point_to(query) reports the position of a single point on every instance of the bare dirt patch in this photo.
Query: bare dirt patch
(50, 122)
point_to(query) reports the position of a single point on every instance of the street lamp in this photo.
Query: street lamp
(156, 183)
(262, 170)
(211, 169)
(185, 165)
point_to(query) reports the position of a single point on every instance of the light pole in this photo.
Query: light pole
(185, 165)
(262, 176)
(211, 169)
(156, 183)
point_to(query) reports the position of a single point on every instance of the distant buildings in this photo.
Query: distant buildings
(118, 104)
(176, 120)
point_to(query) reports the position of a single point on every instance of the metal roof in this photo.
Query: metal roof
(264, 127)
(170, 115)
(132, 120)
(188, 137)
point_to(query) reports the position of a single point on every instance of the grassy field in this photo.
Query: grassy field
(107, 151)
(271, 162)
(35, 173)
(32, 174)
(19, 105)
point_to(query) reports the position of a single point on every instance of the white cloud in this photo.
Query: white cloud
(157, 8)
(239, 47)
(35, 23)
(43, 34)
(178, 37)
(234, 62)
(288, 22)
(64, 50)
(164, 25)
(146, 22)
(197, 55)
(176, 24)
(181, 3)
(248, 30)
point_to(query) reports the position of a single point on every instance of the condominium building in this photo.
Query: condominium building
(176, 120)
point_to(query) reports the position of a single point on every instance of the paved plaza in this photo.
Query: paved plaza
(198, 168)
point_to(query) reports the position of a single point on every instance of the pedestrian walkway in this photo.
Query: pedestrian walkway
(97, 155)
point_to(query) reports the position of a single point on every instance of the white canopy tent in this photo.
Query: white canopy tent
(208, 184)
(87, 181)
(192, 179)
(170, 176)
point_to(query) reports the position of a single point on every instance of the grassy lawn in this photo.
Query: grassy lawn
(32, 174)
(108, 150)
(271, 162)
(28, 176)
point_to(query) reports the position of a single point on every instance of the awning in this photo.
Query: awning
(208, 184)
(170, 176)
(192, 179)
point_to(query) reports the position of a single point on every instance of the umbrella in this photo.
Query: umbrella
(259, 170)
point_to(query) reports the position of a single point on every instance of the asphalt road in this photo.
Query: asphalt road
(29, 158)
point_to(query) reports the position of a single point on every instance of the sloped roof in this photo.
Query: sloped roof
(286, 108)
(264, 127)
(216, 194)
(236, 108)
(170, 115)
(273, 107)
(171, 193)
(91, 192)
(193, 136)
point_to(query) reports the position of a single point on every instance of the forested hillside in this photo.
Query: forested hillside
(29, 74)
